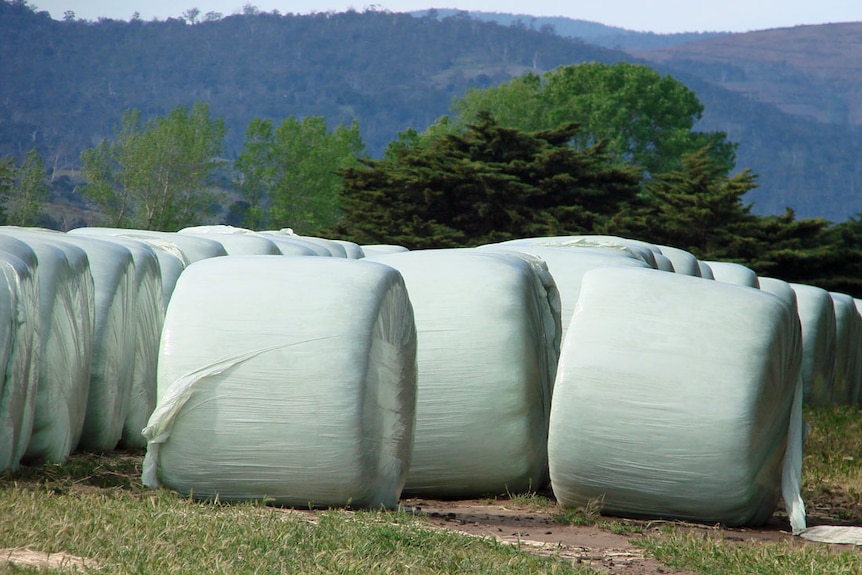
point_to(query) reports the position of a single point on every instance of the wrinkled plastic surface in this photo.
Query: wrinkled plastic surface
(847, 377)
(684, 262)
(674, 398)
(113, 271)
(568, 266)
(488, 330)
(628, 247)
(733, 273)
(20, 346)
(193, 247)
(819, 337)
(302, 391)
(67, 308)
(236, 241)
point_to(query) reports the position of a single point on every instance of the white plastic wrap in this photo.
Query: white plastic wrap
(705, 270)
(301, 391)
(113, 270)
(488, 330)
(847, 377)
(236, 241)
(352, 251)
(20, 347)
(381, 249)
(172, 260)
(194, 248)
(67, 307)
(819, 336)
(568, 266)
(282, 237)
(683, 262)
(623, 246)
(674, 398)
(663, 263)
(733, 273)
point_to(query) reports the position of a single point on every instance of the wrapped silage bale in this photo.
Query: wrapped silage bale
(568, 266)
(287, 236)
(663, 263)
(20, 347)
(302, 391)
(67, 308)
(111, 378)
(352, 250)
(819, 341)
(380, 249)
(194, 248)
(684, 262)
(171, 259)
(847, 378)
(705, 270)
(733, 273)
(613, 244)
(673, 399)
(488, 326)
(236, 241)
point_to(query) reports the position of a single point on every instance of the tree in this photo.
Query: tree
(25, 199)
(289, 176)
(486, 185)
(694, 207)
(155, 175)
(647, 118)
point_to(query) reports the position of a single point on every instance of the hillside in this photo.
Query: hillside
(810, 71)
(67, 83)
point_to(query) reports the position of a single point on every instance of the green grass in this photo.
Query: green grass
(94, 508)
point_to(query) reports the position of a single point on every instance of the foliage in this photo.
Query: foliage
(23, 190)
(648, 119)
(693, 207)
(155, 175)
(486, 185)
(288, 176)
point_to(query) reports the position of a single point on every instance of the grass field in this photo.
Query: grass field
(91, 514)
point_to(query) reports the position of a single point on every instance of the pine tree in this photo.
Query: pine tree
(485, 185)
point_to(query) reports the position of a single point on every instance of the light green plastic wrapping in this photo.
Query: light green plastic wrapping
(631, 248)
(568, 266)
(489, 330)
(382, 249)
(149, 316)
(66, 301)
(683, 262)
(172, 259)
(285, 239)
(113, 271)
(674, 398)
(236, 241)
(733, 273)
(302, 391)
(20, 346)
(194, 248)
(847, 377)
(819, 340)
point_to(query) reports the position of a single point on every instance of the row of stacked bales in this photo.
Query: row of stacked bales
(578, 359)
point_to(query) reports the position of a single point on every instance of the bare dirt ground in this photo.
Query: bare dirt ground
(537, 530)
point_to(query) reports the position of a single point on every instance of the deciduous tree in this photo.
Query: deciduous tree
(155, 175)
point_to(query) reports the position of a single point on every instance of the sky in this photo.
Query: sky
(661, 16)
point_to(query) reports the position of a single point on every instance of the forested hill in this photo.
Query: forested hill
(66, 84)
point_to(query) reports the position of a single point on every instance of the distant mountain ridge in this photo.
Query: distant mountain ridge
(588, 31)
(66, 84)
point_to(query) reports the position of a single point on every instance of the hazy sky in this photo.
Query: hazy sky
(655, 15)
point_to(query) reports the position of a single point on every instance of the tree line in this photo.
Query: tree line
(583, 149)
